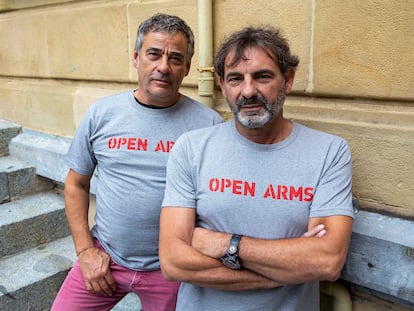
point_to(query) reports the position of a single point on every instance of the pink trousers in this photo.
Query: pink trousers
(155, 293)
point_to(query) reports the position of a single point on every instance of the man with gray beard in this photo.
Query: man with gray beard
(256, 210)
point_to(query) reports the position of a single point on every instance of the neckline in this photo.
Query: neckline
(278, 145)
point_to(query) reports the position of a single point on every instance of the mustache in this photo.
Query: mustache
(162, 77)
(256, 100)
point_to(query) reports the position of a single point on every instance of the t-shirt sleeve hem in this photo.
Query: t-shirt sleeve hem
(327, 213)
(183, 204)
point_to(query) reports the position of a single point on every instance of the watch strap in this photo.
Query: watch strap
(233, 247)
(231, 258)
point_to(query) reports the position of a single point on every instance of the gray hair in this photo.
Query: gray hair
(267, 38)
(165, 23)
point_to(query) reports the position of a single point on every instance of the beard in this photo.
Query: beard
(253, 119)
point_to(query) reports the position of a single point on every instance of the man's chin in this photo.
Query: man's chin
(163, 92)
(164, 95)
(255, 121)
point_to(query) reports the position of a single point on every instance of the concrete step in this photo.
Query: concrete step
(36, 249)
(8, 130)
(18, 178)
(30, 221)
(44, 151)
(31, 279)
(381, 257)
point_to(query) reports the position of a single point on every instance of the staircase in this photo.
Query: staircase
(36, 249)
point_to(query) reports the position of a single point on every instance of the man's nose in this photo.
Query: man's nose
(249, 88)
(163, 65)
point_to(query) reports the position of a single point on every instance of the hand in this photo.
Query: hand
(94, 265)
(210, 243)
(214, 244)
(317, 231)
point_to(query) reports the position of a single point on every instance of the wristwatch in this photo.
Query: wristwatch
(231, 258)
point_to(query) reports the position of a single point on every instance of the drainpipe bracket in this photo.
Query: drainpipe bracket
(206, 69)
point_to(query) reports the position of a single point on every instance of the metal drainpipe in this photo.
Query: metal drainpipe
(340, 294)
(206, 69)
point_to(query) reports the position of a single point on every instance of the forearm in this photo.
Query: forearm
(289, 261)
(180, 261)
(234, 280)
(76, 208)
(298, 260)
(318, 255)
(275, 259)
(208, 272)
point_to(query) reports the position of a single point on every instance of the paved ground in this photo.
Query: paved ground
(129, 303)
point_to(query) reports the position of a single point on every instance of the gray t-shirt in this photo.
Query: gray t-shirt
(266, 191)
(127, 145)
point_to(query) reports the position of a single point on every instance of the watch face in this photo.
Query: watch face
(231, 259)
(231, 262)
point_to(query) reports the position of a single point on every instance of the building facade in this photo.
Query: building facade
(355, 79)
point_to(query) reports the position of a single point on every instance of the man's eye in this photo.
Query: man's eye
(264, 77)
(233, 79)
(153, 54)
(176, 60)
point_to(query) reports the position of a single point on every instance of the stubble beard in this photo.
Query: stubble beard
(254, 120)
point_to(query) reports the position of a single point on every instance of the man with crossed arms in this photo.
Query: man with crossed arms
(240, 196)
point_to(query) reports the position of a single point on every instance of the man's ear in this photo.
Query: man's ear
(135, 59)
(188, 69)
(289, 78)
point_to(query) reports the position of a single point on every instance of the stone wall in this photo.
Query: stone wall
(355, 78)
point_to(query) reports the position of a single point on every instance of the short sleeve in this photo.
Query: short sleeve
(180, 187)
(333, 195)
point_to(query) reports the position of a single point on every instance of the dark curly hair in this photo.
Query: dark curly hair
(267, 38)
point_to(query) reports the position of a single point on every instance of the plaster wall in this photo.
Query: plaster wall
(354, 79)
